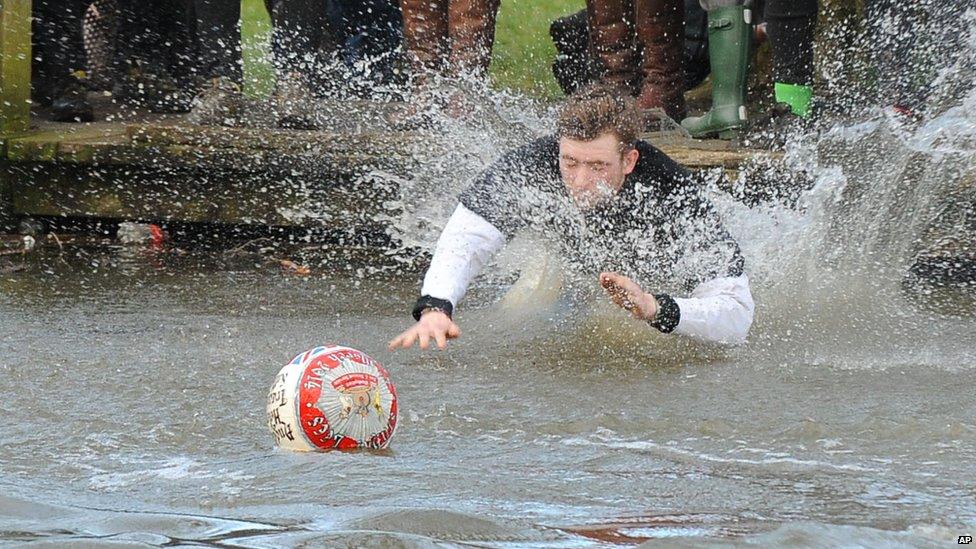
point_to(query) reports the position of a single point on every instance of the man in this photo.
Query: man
(617, 205)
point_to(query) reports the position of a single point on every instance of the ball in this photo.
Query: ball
(332, 397)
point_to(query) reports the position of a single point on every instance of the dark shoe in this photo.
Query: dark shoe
(573, 67)
(219, 103)
(772, 129)
(660, 34)
(151, 88)
(292, 102)
(70, 101)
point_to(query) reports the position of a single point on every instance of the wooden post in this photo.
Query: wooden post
(15, 65)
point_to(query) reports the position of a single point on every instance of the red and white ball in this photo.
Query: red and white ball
(332, 398)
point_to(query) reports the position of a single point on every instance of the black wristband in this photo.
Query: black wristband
(427, 302)
(668, 314)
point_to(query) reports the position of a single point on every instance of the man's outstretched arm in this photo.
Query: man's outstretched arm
(465, 245)
(719, 310)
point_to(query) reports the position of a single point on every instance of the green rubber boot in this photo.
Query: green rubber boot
(729, 42)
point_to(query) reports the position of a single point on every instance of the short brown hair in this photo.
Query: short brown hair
(596, 110)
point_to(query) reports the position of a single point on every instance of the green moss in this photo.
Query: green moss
(524, 52)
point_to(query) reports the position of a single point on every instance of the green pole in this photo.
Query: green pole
(15, 65)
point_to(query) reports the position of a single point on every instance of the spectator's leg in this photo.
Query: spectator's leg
(218, 37)
(58, 44)
(660, 33)
(729, 45)
(425, 34)
(790, 25)
(471, 28)
(696, 44)
(152, 44)
(298, 29)
(574, 67)
(370, 31)
(612, 39)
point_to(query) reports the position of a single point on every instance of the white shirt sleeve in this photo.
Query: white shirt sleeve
(467, 242)
(719, 310)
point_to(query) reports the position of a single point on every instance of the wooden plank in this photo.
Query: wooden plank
(371, 143)
(700, 158)
(15, 65)
(192, 195)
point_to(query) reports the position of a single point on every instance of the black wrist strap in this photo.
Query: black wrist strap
(427, 302)
(668, 314)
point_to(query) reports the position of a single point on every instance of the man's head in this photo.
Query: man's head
(597, 132)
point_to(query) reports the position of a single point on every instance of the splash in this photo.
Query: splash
(832, 265)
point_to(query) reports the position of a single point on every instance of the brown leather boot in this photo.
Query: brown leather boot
(611, 24)
(425, 34)
(471, 26)
(660, 27)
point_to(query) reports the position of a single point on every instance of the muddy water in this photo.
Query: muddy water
(134, 388)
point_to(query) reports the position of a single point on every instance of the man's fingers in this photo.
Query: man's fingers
(425, 336)
(609, 279)
(404, 340)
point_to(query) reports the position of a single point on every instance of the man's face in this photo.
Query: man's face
(593, 171)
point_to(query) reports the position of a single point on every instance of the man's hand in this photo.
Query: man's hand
(434, 325)
(628, 296)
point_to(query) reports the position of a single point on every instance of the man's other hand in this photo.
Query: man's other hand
(434, 325)
(628, 296)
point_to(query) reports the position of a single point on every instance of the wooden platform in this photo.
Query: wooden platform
(166, 170)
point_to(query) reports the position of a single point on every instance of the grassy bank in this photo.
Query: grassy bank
(521, 59)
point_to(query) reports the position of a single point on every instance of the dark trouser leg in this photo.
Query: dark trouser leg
(574, 67)
(299, 26)
(218, 38)
(369, 30)
(790, 25)
(612, 39)
(144, 31)
(58, 44)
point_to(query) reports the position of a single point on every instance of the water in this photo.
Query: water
(135, 412)
(135, 381)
